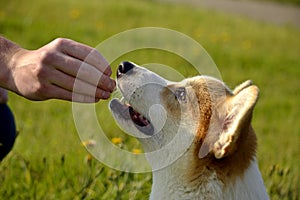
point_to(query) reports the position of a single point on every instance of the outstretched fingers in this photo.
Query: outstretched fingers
(60, 93)
(84, 53)
(83, 71)
(77, 86)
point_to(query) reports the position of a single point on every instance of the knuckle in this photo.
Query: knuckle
(59, 42)
(47, 56)
(104, 80)
(108, 71)
(40, 72)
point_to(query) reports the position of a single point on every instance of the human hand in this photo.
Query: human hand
(51, 72)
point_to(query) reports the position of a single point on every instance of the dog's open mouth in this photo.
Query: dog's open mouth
(137, 118)
(127, 112)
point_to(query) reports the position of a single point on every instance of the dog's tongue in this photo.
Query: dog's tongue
(137, 118)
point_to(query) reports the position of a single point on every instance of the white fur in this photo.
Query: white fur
(248, 187)
(168, 183)
(170, 154)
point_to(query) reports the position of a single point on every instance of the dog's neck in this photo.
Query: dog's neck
(233, 177)
(207, 186)
(171, 183)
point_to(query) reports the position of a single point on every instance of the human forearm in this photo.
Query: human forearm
(52, 71)
(7, 50)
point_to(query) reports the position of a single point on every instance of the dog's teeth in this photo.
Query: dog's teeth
(142, 117)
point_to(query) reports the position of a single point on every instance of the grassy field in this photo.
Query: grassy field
(48, 160)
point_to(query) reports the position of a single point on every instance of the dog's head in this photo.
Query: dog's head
(199, 113)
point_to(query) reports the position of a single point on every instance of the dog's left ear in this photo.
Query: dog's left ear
(238, 117)
(239, 112)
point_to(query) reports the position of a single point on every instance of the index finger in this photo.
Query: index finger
(84, 53)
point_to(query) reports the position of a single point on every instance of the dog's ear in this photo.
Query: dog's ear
(238, 108)
(238, 116)
(242, 86)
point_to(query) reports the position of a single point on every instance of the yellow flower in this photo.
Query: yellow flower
(136, 151)
(74, 13)
(89, 143)
(116, 140)
(88, 159)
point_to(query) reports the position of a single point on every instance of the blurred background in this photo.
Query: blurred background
(257, 40)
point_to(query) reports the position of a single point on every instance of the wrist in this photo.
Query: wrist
(8, 50)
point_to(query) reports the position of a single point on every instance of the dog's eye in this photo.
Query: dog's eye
(180, 94)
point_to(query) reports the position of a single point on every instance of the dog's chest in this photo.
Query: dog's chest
(172, 185)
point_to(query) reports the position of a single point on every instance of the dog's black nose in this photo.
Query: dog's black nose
(124, 67)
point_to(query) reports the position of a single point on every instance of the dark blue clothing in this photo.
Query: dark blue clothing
(7, 130)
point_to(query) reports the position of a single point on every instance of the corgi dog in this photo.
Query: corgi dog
(200, 129)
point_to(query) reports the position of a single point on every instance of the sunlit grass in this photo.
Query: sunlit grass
(50, 162)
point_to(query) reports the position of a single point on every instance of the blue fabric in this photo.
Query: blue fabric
(7, 130)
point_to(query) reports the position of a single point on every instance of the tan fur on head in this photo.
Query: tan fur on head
(230, 145)
(207, 141)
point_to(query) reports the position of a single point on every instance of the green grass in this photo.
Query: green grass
(48, 160)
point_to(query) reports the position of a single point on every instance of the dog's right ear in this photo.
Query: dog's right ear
(238, 110)
(242, 86)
